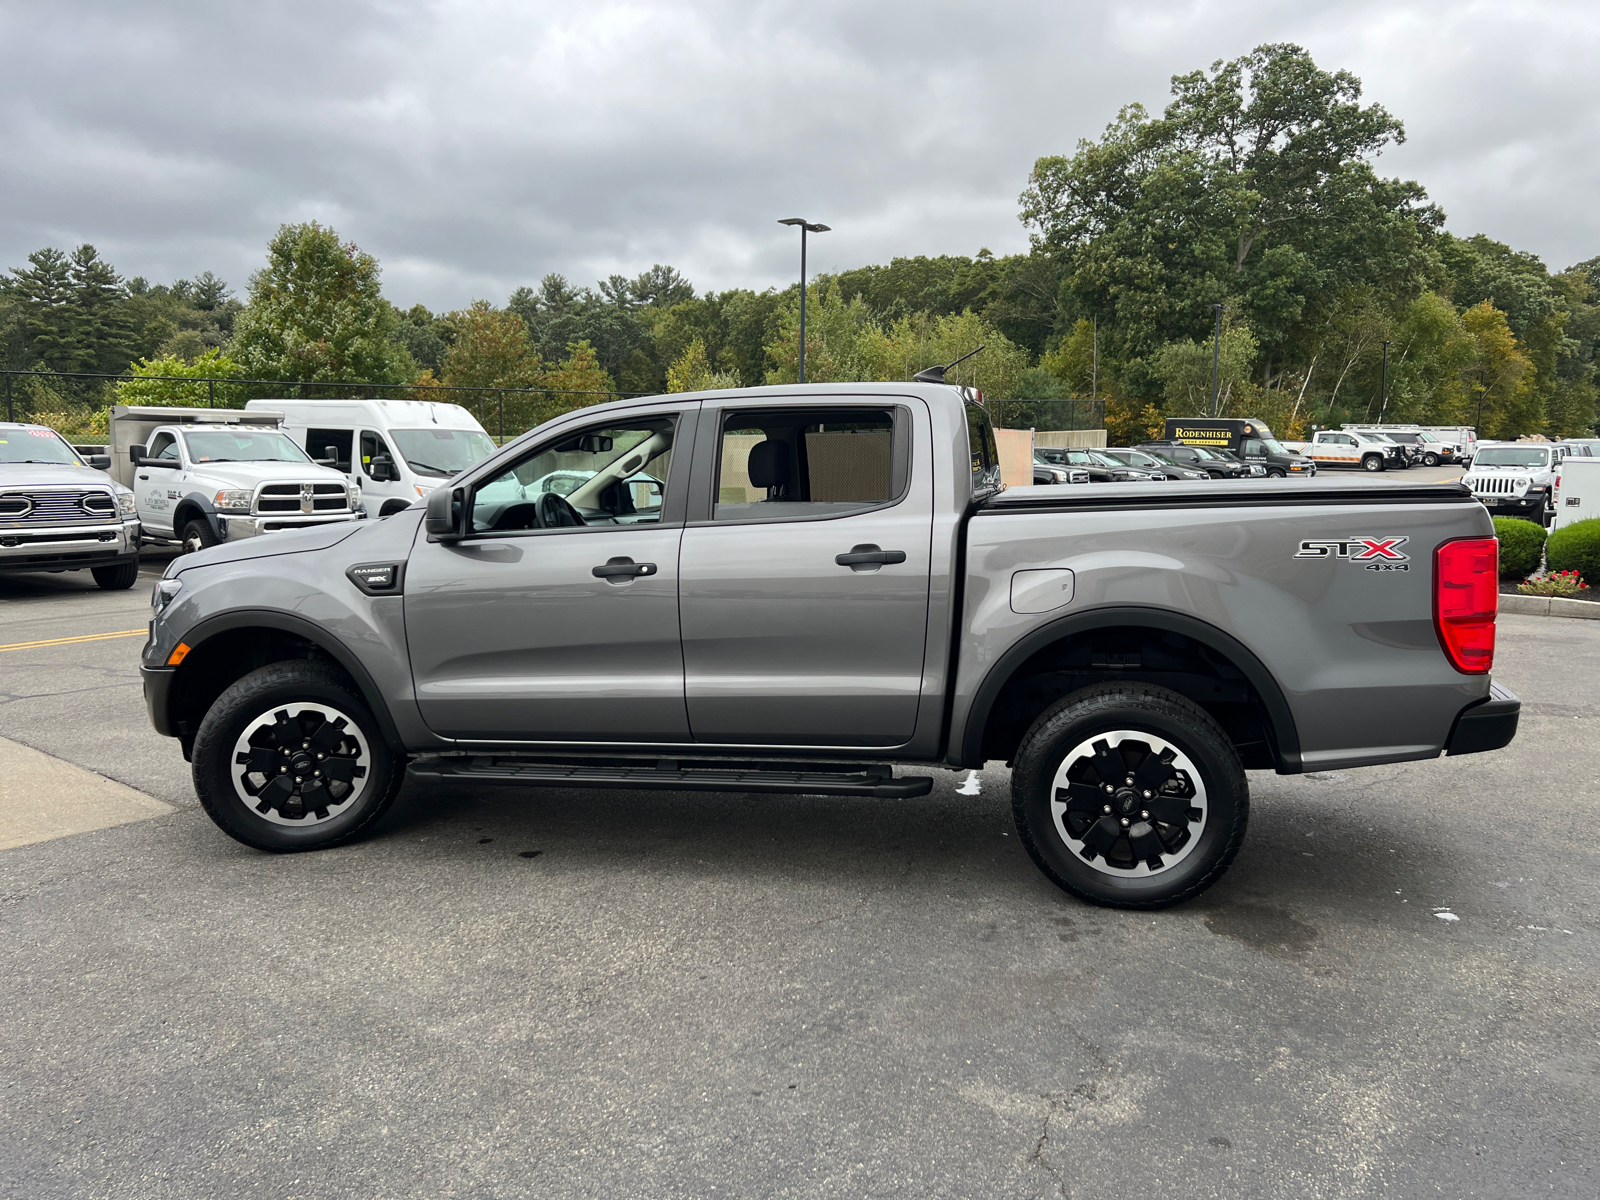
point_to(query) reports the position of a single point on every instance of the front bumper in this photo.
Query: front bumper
(1533, 502)
(1486, 724)
(157, 691)
(237, 528)
(69, 548)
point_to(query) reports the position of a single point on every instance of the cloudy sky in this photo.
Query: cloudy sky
(474, 145)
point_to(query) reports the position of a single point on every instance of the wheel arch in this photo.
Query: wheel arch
(195, 507)
(1284, 739)
(226, 647)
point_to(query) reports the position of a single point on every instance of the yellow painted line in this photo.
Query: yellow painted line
(67, 641)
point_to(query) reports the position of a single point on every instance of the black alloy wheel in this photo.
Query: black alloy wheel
(290, 758)
(1129, 795)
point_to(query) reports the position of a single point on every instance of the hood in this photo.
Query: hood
(248, 474)
(268, 545)
(52, 474)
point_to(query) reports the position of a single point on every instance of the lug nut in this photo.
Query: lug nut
(1108, 808)
(307, 745)
(320, 757)
(1147, 795)
(1130, 778)
(318, 774)
(1144, 815)
(1124, 822)
(283, 770)
(297, 780)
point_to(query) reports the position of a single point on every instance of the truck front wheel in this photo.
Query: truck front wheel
(1130, 796)
(289, 758)
(1372, 462)
(118, 577)
(197, 535)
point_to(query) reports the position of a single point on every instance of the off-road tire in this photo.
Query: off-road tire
(117, 577)
(197, 535)
(270, 689)
(1373, 462)
(1109, 707)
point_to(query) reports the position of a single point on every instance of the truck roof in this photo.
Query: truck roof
(387, 413)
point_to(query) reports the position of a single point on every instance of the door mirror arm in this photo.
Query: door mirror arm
(445, 517)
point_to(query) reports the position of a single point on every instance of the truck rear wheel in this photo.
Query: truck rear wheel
(118, 577)
(1130, 796)
(1372, 462)
(289, 758)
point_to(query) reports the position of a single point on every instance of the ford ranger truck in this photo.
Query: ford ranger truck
(60, 511)
(828, 591)
(200, 484)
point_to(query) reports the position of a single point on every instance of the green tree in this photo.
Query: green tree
(43, 292)
(1184, 368)
(316, 312)
(168, 392)
(692, 372)
(491, 350)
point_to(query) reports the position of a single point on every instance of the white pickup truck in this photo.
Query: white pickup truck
(1350, 448)
(202, 476)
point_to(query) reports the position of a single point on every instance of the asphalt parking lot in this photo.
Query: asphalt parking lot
(609, 994)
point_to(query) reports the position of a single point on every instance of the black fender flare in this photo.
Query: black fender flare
(266, 618)
(1286, 737)
(206, 510)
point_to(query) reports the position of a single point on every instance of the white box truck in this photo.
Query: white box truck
(396, 451)
(1577, 495)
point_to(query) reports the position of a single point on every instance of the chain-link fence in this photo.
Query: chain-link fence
(1062, 415)
(78, 404)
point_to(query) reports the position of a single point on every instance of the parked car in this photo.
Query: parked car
(395, 451)
(60, 511)
(1217, 463)
(1515, 479)
(1347, 448)
(1049, 473)
(1247, 439)
(836, 585)
(1099, 470)
(1463, 437)
(1424, 447)
(204, 476)
(1151, 461)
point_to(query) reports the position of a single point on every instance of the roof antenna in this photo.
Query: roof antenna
(936, 374)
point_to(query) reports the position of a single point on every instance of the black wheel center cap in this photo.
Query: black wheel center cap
(301, 764)
(1127, 800)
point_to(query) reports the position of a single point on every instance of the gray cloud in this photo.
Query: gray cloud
(474, 146)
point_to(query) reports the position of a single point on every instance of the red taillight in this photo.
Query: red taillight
(1466, 597)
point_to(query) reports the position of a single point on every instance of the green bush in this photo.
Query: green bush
(1520, 543)
(1576, 547)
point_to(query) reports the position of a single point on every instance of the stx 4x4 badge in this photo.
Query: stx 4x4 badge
(1374, 553)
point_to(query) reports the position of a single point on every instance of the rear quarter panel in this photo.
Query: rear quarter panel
(1354, 651)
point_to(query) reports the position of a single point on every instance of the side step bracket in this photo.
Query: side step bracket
(671, 775)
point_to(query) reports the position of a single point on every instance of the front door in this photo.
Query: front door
(804, 588)
(556, 619)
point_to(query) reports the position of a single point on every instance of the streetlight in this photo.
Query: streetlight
(805, 228)
(1216, 353)
(1383, 406)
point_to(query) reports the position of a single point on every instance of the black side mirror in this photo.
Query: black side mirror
(100, 462)
(382, 469)
(330, 457)
(135, 454)
(445, 517)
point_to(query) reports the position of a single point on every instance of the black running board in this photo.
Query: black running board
(671, 776)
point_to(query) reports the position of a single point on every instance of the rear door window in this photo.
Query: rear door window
(809, 462)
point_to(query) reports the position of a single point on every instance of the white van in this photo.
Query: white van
(396, 450)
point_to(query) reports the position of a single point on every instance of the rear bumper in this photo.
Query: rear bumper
(1486, 724)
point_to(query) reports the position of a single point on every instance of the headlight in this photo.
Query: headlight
(421, 491)
(125, 503)
(233, 501)
(163, 594)
(355, 495)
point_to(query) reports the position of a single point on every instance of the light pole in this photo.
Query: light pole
(805, 228)
(1384, 403)
(1216, 354)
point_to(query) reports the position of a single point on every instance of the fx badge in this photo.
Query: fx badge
(1374, 553)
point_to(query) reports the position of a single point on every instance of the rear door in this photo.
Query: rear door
(556, 618)
(805, 574)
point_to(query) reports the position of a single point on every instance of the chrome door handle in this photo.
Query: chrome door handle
(869, 555)
(623, 568)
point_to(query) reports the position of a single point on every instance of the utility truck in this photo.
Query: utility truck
(204, 476)
(826, 590)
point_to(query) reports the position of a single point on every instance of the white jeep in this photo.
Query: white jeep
(1515, 479)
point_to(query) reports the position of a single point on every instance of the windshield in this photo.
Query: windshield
(1213, 452)
(441, 452)
(1151, 457)
(36, 446)
(1274, 446)
(1105, 460)
(244, 445)
(1513, 456)
(1425, 436)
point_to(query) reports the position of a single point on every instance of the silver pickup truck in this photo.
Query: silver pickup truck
(60, 511)
(814, 587)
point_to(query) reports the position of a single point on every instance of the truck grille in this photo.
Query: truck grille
(1497, 485)
(67, 506)
(303, 498)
